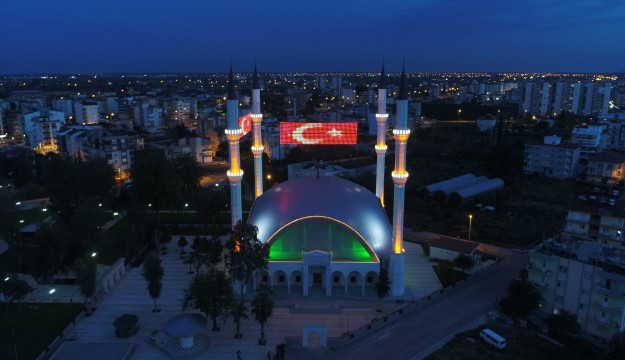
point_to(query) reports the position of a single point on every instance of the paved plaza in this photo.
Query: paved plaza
(340, 314)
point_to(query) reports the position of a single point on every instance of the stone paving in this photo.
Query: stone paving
(340, 314)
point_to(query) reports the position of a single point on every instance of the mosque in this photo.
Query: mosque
(325, 232)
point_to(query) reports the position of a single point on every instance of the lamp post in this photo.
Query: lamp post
(459, 111)
(470, 222)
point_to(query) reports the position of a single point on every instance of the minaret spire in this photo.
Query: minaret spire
(255, 78)
(403, 88)
(400, 176)
(232, 94)
(257, 145)
(380, 147)
(233, 134)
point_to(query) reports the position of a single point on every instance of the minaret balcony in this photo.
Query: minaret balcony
(381, 149)
(234, 176)
(233, 134)
(257, 117)
(399, 178)
(381, 116)
(257, 150)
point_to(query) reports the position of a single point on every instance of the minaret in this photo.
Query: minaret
(380, 148)
(233, 134)
(257, 145)
(400, 176)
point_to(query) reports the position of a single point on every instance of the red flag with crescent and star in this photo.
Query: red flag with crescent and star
(295, 133)
(245, 123)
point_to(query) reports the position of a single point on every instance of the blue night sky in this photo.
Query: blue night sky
(71, 36)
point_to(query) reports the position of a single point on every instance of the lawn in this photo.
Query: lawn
(522, 344)
(528, 208)
(39, 324)
(447, 274)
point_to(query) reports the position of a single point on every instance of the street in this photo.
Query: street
(428, 328)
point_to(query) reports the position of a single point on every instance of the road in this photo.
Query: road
(431, 326)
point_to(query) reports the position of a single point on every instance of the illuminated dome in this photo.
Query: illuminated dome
(326, 213)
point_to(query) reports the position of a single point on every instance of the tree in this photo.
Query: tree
(563, 322)
(70, 183)
(182, 243)
(155, 181)
(215, 250)
(85, 269)
(199, 254)
(383, 286)
(464, 262)
(523, 298)
(246, 254)
(211, 293)
(455, 200)
(153, 273)
(616, 348)
(262, 308)
(209, 204)
(15, 290)
(189, 173)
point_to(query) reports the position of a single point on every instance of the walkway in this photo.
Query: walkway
(131, 296)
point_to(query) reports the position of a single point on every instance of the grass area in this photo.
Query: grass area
(527, 208)
(447, 274)
(32, 215)
(118, 241)
(187, 218)
(522, 344)
(39, 324)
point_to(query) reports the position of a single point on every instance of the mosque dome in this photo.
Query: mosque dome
(324, 213)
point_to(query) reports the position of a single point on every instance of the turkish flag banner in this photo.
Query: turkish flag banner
(245, 123)
(296, 133)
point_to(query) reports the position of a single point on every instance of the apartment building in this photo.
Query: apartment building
(584, 278)
(607, 167)
(552, 158)
(598, 217)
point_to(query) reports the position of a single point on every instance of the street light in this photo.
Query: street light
(51, 292)
(459, 111)
(470, 222)
(94, 254)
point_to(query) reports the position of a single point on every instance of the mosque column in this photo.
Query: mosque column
(288, 283)
(305, 280)
(362, 285)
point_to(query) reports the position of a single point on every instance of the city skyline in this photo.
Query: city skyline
(434, 36)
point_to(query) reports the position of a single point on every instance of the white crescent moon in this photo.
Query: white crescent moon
(299, 136)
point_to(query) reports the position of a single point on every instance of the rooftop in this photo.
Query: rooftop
(608, 157)
(458, 245)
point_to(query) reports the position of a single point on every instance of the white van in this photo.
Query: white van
(493, 338)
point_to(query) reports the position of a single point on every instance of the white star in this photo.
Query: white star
(335, 132)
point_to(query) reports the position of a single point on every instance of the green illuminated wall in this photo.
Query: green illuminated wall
(318, 234)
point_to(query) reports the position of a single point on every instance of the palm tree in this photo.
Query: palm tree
(262, 308)
(153, 273)
(383, 286)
